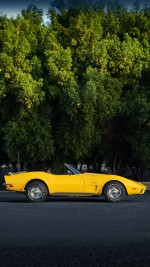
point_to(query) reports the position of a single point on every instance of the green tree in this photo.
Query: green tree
(29, 136)
(84, 93)
(21, 92)
(71, 90)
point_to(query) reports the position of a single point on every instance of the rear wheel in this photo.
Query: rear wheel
(36, 191)
(114, 191)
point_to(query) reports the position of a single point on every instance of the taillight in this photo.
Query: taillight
(10, 185)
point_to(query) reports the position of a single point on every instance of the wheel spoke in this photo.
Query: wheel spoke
(114, 192)
(36, 192)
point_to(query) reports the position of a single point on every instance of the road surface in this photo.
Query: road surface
(74, 231)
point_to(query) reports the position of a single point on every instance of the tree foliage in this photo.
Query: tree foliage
(76, 89)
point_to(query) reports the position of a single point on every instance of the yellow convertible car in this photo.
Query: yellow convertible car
(39, 185)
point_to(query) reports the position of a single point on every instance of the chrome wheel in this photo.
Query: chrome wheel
(114, 191)
(36, 191)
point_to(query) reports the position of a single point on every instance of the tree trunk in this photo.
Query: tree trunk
(117, 163)
(14, 167)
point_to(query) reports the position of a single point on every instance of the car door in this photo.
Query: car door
(92, 183)
(68, 183)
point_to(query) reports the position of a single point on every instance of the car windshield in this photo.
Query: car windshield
(72, 169)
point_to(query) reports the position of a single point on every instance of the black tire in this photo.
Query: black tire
(36, 192)
(114, 192)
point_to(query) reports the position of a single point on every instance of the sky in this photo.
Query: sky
(12, 8)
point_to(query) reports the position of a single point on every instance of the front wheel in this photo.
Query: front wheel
(36, 191)
(114, 192)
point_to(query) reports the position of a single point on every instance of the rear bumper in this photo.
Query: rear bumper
(6, 186)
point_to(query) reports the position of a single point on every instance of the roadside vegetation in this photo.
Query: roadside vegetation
(76, 89)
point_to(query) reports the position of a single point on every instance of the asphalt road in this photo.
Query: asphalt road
(74, 231)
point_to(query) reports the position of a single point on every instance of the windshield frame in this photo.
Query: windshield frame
(72, 169)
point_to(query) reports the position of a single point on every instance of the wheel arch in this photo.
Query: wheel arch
(114, 181)
(34, 180)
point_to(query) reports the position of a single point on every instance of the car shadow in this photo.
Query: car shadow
(55, 199)
(98, 199)
(12, 197)
(64, 199)
(75, 199)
